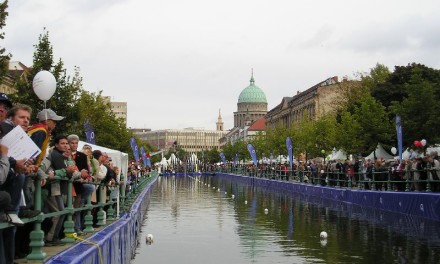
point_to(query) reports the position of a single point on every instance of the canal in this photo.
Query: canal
(210, 219)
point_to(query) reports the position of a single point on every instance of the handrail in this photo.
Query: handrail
(379, 180)
(125, 201)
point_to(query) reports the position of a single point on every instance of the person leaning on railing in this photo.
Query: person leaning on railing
(5, 198)
(57, 190)
(83, 186)
(435, 170)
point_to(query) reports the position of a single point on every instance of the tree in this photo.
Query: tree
(325, 134)
(212, 156)
(394, 88)
(110, 132)
(63, 102)
(412, 91)
(4, 59)
(419, 112)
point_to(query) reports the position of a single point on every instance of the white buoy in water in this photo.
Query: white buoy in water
(226, 192)
(245, 202)
(213, 188)
(266, 211)
(323, 235)
(149, 239)
(218, 189)
(233, 196)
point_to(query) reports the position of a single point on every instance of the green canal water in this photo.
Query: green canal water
(207, 219)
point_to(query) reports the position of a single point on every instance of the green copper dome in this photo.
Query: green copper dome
(252, 94)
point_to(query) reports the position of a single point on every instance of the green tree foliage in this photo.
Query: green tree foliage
(3, 58)
(276, 140)
(239, 148)
(302, 135)
(412, 91)
(325, 134)
(63, 102)
(212, 156)
(360, 131)
(419, 111)
(73, 102)
(110, 132)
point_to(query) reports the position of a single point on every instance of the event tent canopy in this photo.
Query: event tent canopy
(381, 153)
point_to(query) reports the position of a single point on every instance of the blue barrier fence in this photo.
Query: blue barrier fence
(421, 204)
(115, 243)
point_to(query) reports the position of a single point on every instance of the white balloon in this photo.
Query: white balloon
(394, 150)
(423, 141)
(44, 85)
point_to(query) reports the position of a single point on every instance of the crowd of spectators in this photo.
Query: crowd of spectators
(51, 169)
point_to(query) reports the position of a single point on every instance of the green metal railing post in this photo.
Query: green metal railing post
(373, 184)
(408, 174)
(338, 184)
(389, 181)
(88, 219)
(37, 235)
(68, 224)
(100, 214)
(428, 177)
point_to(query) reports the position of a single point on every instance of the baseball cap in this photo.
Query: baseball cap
(46, 114)
(5, 99)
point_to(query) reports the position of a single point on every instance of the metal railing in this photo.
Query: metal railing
(384, 180)
(125, 202)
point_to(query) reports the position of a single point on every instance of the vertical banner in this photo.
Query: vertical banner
(289, 151)
(134, 147)
(253, 153)
(222, 156)
(148, 161)
(236, 159)
(144, 156)
(399, 136)
(90, 133)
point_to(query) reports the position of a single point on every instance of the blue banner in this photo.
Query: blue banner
(144, 156)
(289, 151)
(253, 153)
(134, 147)
(236, 159)
(90, 133)
(399, 137)
(222, 156)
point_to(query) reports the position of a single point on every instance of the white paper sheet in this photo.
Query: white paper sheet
(20, 145)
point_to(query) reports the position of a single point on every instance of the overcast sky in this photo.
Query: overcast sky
(177, 62)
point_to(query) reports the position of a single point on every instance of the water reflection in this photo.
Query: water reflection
(193, 223)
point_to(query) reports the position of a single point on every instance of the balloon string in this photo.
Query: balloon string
(45, 112)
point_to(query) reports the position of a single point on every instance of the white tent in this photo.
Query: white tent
(338, 155)
(381, 153)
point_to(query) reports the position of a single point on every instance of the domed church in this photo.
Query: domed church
(251, 105)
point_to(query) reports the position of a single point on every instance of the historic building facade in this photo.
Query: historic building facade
(16, 70)
(191, 140)
(312, 103)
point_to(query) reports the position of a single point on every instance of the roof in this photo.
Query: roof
(252, 94)
(258, 125)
